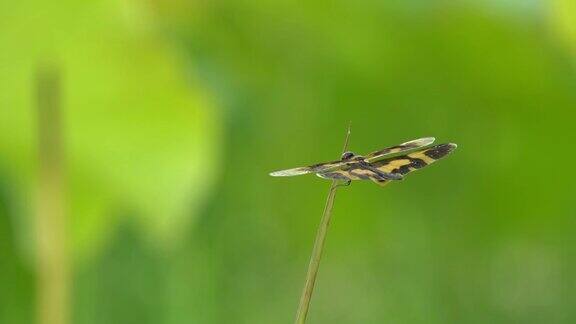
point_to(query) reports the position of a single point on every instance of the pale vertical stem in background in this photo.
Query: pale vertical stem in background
(52, 261)
(314, 264)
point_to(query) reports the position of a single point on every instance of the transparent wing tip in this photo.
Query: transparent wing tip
(421, 141)
(290, 172)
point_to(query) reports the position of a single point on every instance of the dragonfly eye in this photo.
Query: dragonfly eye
(347, 155)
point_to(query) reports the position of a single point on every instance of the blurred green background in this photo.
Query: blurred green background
(173, 113)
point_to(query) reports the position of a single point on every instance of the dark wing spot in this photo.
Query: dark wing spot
(417, 163)
(405, 169)
(440, 151)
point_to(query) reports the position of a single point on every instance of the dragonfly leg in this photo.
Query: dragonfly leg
(344, 183)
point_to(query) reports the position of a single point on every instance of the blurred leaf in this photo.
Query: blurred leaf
(141, 134)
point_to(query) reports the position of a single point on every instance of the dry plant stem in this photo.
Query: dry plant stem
(317, 250)
(52, 262)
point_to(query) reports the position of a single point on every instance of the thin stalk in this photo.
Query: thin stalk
(52, 266)
(314, 264)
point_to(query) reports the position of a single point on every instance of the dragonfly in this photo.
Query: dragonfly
(382, 166)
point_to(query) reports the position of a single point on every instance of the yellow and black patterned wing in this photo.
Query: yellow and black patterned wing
(358, 170)
(407, 163)
(400, 148)
(316, 168)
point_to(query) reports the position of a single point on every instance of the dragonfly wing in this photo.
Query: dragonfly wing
(407, 163)
(400, 148)
(358, 170)
(291, 172)
(380, 182)
(316, 168)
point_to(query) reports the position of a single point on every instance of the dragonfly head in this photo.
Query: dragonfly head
(346, 156)
(349, 156)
